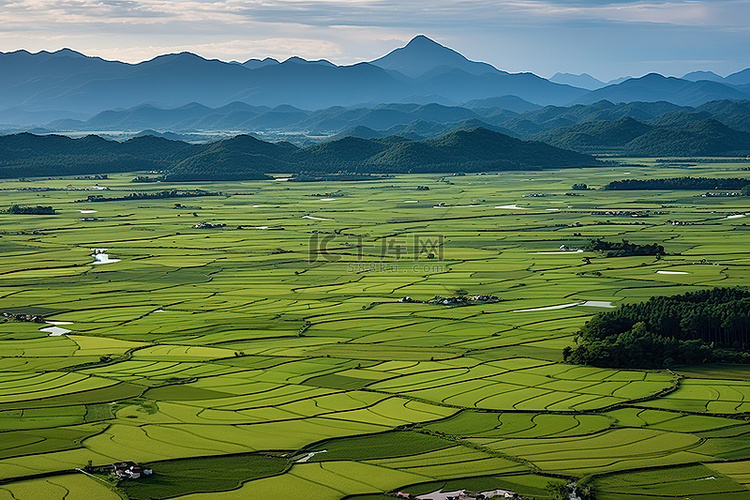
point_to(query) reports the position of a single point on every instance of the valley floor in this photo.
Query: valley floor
(276, 346)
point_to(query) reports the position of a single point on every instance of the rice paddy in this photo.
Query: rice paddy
(280, 354)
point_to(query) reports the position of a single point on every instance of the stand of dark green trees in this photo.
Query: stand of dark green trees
(677, 183)
(567, 491)
(155, 195)
(707, 326)
(37, 210)
(623, 249)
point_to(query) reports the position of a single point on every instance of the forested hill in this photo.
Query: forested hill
(245, 157)
(675, 134)
(29, 155)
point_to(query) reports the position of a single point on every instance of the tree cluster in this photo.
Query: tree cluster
(561, 491)
(697, 327)
(166, 193)
(37, 210)
(623, 249)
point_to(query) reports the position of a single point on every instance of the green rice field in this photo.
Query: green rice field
(279, 355)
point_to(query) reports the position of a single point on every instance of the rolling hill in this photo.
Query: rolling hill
(600, 136)
(245, 157)
(675, 134)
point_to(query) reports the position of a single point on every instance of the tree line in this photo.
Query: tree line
(680, 183)
(37, 210)
(166, 193)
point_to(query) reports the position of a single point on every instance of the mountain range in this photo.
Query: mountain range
(239, 116)
(601, 127)
(67, 84)
(586, 81)
(41, 87)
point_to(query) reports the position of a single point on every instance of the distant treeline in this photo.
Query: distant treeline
(684, 160)
(697, 327)
(55, 166)
(623, 249)
(167, 193)
(37, 210)
(338, 176)
(677, 183)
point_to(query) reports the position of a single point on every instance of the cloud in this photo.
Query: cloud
(513, 34)
(233, 50)
(382, 13)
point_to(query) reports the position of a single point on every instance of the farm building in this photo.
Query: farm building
(464, 495)
(131, 470)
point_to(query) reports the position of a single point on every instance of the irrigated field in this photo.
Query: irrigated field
(273, 355)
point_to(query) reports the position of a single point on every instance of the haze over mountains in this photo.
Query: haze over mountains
(42, 87)
(67, 84)
(418, 92)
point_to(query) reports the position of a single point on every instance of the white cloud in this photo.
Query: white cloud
(682, 12)
(236, 50)
(369, 12)
(512, 34)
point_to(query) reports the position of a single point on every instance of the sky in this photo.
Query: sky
(607, 39)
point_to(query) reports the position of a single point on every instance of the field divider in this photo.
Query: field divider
(478, 447)
(597, 475)
(126, 356)
(109, 485)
